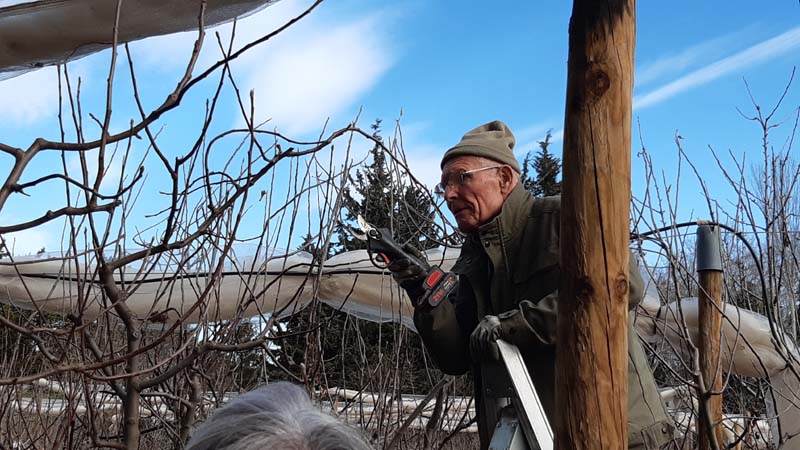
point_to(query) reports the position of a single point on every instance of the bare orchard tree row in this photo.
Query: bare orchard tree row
(175, 226)
(761, 273)
(179, 227)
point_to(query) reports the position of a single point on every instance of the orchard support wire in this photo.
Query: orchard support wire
(592, 359)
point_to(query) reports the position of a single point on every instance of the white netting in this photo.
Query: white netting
(348, 282)
(40, 33)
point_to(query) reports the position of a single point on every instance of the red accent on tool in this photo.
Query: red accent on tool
(441, 285)
(433, 278)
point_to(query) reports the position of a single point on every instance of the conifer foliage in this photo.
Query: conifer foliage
(385, 200)
(356, 353)
(546, 170)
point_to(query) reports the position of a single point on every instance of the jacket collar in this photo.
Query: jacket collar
(506, 225)
(499, 234)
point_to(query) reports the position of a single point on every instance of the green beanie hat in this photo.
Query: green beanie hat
(492, 140)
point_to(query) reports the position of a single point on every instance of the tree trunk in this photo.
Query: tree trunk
(592, 359)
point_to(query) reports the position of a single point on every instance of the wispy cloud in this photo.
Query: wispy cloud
(528, 138)
(422, 155)
(28, 242)
(30, 97)
(668, 65)
(557, 136)
(314, 70)
(316, 74)
(169, 52)
(423, 162)
(112, 170)
(756, 54)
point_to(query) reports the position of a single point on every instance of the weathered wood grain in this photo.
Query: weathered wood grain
(592, 349)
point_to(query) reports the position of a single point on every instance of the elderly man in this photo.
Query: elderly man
(508, 280)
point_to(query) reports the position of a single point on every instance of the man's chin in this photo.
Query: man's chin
(466, 226)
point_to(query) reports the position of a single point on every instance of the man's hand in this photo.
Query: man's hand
(482, 342)
(409, 275)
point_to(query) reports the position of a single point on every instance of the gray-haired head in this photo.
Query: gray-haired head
(278, 416)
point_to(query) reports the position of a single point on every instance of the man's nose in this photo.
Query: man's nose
(450, 191)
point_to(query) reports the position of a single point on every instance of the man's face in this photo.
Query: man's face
(480, 198)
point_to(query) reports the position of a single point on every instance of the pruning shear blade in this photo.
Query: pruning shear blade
(365, 226)
(362, 234)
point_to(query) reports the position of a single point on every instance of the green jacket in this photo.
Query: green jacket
(509, 268)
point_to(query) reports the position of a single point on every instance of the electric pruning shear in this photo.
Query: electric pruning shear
(383, 250)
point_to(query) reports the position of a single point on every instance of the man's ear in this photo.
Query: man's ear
(507, 180)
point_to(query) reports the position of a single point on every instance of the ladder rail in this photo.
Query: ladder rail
(528, 405)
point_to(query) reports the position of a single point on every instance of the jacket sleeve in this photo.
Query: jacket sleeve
(535, 323)
(442, 330)
(636, 290)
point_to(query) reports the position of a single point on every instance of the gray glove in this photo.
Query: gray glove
(408, 275)
(483, 341)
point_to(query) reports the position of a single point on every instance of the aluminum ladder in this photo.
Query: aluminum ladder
(522, 424)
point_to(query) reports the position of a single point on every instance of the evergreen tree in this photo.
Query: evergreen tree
(309, 245)
(386, 202)
(350, 347)
(546, 169)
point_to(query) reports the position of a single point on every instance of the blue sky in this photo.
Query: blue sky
(449, 67)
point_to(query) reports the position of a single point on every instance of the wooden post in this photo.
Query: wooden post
(709, 271)
(592, 360)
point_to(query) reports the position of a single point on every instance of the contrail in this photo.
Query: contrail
(759, 53)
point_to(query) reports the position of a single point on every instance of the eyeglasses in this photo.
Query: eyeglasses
(458, 179)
